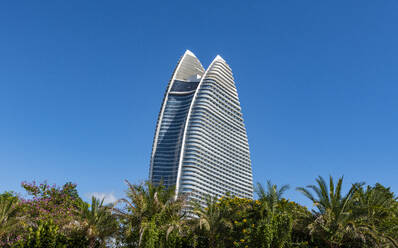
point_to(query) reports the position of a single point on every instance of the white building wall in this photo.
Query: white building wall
(214, 157)
(215, 152)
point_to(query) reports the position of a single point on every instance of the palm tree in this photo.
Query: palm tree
(272, 195)
(273, 223)
(375, 209)
(375, 202)
(97, 221)
(213, 220)
(334, 219)
(8, 215)
(151, 214)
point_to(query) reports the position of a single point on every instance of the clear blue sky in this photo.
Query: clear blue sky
(81, 84)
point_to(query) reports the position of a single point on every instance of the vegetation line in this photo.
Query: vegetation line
(151, 217)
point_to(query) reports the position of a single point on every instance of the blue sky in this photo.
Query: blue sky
(81, 84)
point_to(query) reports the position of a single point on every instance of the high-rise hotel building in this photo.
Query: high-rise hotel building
(200, 143)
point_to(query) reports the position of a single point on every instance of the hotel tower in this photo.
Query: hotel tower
(200, 143)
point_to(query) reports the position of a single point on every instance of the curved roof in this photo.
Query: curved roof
(188, 66)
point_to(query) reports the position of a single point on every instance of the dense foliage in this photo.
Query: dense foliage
(152, 216)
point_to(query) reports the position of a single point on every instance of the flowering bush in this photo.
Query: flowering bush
(49, 202)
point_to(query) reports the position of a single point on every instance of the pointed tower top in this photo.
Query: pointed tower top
(188, 52)
(187, 66)
(218, 57)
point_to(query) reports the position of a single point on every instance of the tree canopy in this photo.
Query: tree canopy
(154, 216)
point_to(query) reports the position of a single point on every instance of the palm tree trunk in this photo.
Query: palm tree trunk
(91, 243)
(212, 241)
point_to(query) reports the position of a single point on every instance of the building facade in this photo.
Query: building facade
(200, 143)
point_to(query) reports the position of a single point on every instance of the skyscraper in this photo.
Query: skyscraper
(200, 143)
